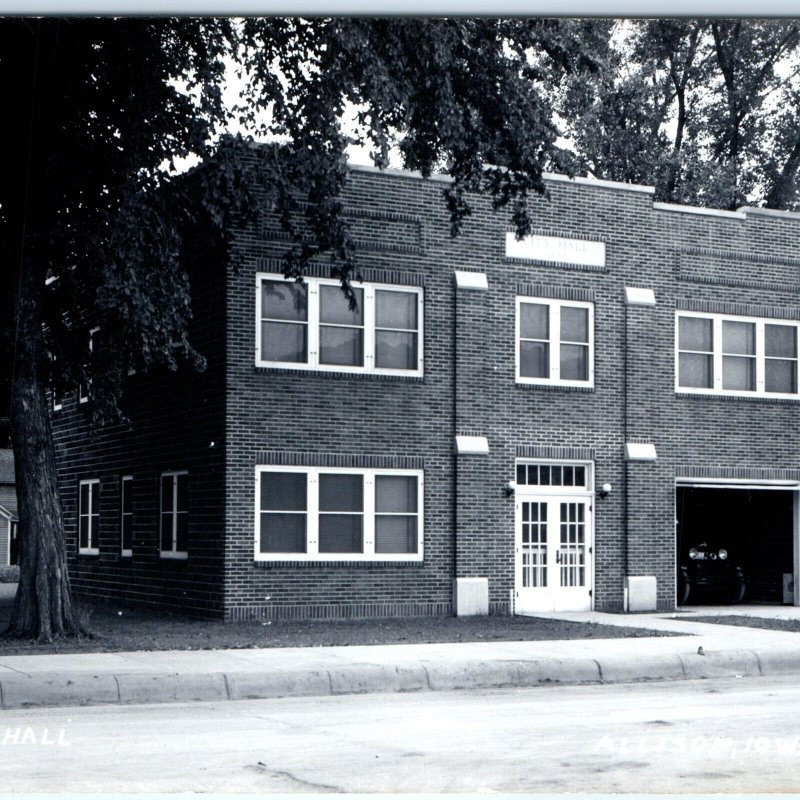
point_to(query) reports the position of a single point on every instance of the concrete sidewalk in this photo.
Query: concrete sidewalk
(703, 651)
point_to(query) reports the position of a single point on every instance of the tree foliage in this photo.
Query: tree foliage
(706, 110)
(90, 221)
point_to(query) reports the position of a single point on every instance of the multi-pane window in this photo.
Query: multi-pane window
(84, 389)
(741, 356)
(312, 326)
(555, 342)
(319, 513)
(174, 514)
(89, 517)
(556, 475)
(126, 514)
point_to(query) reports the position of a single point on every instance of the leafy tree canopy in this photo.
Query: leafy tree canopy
(706, 110)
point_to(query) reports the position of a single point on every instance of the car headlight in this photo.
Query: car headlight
(694, 554)
(723, 554)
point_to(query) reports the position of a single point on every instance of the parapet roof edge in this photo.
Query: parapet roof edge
(548, 176)
(710, 212)
(770, 212)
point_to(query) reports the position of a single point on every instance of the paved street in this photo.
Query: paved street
(687, 736)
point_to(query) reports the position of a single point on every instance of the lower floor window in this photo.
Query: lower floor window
(174, 514)
(319, 513)
(89, 517)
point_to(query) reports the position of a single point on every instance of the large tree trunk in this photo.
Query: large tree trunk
(43, 606)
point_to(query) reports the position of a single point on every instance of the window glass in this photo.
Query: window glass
(780, 341)
(396, 310)
(395, 350)
(166, 493)
(739, 373)
(341, 493)
(696, 334)
(396, 534)
(696, 370)
(340, 533)
(283, 491)
(534, 358)
(780, 375)
(183, 492)
(335, 307)
(534, 321)
(738, 337)
(281, 341)
(574, 324)
(283, 300)
(283, 533)
(574, 362)
(395, 493)
(342, 346)
(181, 532)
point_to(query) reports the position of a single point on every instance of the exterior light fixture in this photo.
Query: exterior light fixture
(510, 488)
(605, 490)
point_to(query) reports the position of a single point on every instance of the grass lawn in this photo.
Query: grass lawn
(119, 629)
(753, 622)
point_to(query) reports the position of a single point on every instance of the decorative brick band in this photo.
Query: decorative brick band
(352, 212)
(555, 453)
(338, 611)
(738, 398)
(290, 458)
(555, 292)
(735, 255)
(524, 262)
(564, 234)
(553, 387)
(373, 275)
(742, 309)
(737, 473)
(730, 268)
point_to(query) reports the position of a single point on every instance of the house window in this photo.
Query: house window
(89, 517)
(126, 514)
(555, 342)
(311, 326)
(741, 356)
(174, 514)
(326, 514)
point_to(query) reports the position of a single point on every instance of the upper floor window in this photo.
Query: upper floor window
(174, 514)
(335, 514)
(89, 517)
(740, 356)
(311, 326)
(555, 342)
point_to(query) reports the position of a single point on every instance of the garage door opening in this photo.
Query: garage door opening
(733, 544)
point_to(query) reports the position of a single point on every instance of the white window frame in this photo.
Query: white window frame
(93, 535)
(549, 489)
(312, 515)
(717, 355)
(554, 341)
(173, 553)
(126, 483)
(369, 289)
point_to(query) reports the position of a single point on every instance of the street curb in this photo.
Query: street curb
(52, 689)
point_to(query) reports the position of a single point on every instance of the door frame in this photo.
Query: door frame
(752, 484)
(523, 493)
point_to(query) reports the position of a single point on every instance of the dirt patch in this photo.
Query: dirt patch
(753, 622)
(124, 629)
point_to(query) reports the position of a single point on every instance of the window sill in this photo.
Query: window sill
(340, 374)
(170, 555)
(748, 398)
(557, 387)
(337, 564)
(89, 551)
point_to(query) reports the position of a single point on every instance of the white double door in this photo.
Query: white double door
(553, 553)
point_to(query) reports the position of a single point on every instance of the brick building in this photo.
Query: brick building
(502, 425)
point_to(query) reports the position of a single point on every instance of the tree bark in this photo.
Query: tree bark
(43, 606)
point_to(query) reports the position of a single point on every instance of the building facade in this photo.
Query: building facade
(500, 426)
